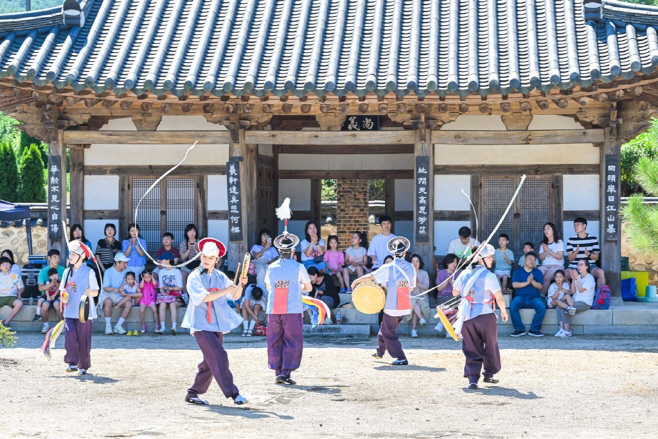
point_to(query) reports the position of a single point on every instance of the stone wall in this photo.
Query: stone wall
(15, 239)
(352, 209)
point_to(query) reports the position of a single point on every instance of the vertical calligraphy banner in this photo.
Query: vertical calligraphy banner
(234, 199)
(54, 198)
(611, 197)
(422, 183)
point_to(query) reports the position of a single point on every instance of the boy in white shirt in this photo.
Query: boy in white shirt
(378, 249)
(463, 245)
(171, 287)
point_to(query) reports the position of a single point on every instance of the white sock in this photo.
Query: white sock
(162, 326)
(245, 324)
(173, 325)
(108, 321)
(38, 310)
(121, 320)
(252, 324)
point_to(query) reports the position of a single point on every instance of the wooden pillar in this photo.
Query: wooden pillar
(424, 203)
(610, 248)
(77, 180)
(389, 195)
(248, 192)
(56, 148)
(316, 202)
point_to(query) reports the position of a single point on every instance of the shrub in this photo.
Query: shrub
(32, 188)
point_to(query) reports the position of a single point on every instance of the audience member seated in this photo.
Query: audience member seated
(420, 306)
(378, 249)
(107, 248)
(559, 297)
(15, 268)
(48, 285)
(335, 260)
(134, 248)
(11, 288)
(504, 259)
(583, 287)
(148, 288)
(323, 288)
(254, 302)
(527, 282)
(129, 292)
(527, 248)
(263, 254)
(444, 289)
(111, 294)
(171, 288)
(585, 247)
(463, 245)
(167, 241)
(313, 248)
(356, 259)
(551, 255)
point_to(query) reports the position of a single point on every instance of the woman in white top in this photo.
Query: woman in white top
(583, 287)
(420, 305)
(15, 268)
(551, 254)
(263, 254)
(313, 247)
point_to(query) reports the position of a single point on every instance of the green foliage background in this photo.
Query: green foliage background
(8, 172)
(31, 188)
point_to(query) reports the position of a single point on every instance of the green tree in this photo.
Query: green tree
(8, 172)
(31, 189)
(642, 219)
(644, 145)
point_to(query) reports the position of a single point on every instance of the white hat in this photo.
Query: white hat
(212, 248)
(120, 257)
(487, 250)
(80, 248)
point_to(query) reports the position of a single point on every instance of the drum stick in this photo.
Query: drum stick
(237, 273)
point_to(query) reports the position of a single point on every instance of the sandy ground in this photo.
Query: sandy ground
(586, 386)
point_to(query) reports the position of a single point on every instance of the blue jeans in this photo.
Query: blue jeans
(535, 303)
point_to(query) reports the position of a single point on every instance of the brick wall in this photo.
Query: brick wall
(352, 209)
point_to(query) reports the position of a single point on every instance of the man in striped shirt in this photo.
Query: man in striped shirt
(584, 246)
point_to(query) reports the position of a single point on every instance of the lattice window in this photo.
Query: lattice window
(181, 203)
(497, 194)
(149, 211)
(535, 210)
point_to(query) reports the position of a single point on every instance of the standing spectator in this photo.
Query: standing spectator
(445, 288)
(355, 259)
(135, 249)
(167, 240)
(527, 248)
(111, 295)
(313, 248)
(504, 259)
(335, 260)
(527, 282)
(463, 246)
(148, 287)
(551, 253)
(108, 247)
(420, 306)
(171, 287)
(254, 302)
(582, 289)
(45, 285)
(586, 247)
(11, 288)
(263, 254)
(378, 249)
(188, 249)
(323, 288)
(15, 268)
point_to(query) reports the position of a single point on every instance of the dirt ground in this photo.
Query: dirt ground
(598, 387)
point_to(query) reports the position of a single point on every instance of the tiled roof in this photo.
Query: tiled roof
(337, 46)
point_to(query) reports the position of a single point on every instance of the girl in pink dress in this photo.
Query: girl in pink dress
(148, 287)
(335, 260)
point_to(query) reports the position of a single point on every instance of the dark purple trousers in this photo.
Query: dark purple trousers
(214, 364)
(77, 343)
(387, 338)
(480, 346)
(285, 342)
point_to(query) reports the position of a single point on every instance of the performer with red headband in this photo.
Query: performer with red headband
(479, 288)
(208, 317)
(78, 287)
(286, 281)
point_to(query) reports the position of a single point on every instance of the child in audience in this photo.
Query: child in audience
(129, 291)
(148, 287)
(254, 303)
(527, 248)
(355, 260)
(559, 295)
(335, 261)
(171, 287)
(504, 258)
(51, 295)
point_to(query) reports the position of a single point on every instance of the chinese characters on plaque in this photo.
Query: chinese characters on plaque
(611, 197)
(234, 199)
(361, 123)
(422, 214)
(54, 198)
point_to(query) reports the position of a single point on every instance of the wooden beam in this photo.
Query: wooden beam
(476, 197)
(536, 137)
(57, 148)
(389, 194)
(114, 137)
(153, 170)
(589, 215)
(558, 213)
(452, 215)
(316, 200)
(353, 149)
(202, 204)
(346, 175)
(423, 242)
(610, 250)
(77, 179)
(517, 169)
(218, 214)
(101, 215)
(331, 137)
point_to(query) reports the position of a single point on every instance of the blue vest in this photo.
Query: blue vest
(284, 274)
(481, 299)
(78, 283)
(223, 317)
(392, 273)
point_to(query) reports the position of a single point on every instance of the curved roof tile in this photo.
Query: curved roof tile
(337, 46)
